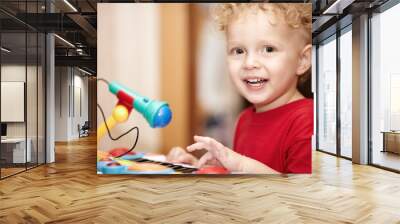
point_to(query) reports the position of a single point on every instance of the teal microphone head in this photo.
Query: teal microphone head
(158, 114)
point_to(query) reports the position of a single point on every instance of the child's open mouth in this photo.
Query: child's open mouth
(255, 83)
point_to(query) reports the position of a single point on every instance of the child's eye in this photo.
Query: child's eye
(237, 51)
(268, 49)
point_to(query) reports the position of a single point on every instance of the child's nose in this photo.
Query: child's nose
(251, 62)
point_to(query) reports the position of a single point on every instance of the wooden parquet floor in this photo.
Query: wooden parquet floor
(70, 191)
(10, 171)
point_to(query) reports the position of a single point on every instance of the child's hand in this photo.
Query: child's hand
(179, 155)
(231, 160)
(217, 153)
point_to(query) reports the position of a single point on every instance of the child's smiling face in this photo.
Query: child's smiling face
(265, 59)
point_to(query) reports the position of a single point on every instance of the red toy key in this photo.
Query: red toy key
(212, 170)
(119, 151)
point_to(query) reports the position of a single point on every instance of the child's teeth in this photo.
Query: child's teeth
(254, 81)
(257, 82)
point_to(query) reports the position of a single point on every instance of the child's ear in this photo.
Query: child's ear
(304, 60)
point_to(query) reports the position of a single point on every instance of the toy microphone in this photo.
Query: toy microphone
(157, 113)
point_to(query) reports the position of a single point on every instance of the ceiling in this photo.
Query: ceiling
(332, 15)
(72, 20)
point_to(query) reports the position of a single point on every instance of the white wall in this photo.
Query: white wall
(61, 103)
(67, 81)
(120, 37)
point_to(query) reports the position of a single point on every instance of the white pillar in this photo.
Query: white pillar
(50, 92)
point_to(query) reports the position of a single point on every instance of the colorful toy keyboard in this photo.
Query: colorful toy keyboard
(139, 163)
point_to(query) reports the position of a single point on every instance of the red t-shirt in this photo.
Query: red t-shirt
(279, 138)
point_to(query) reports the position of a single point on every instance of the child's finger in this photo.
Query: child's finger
(179, 155)
(210, 143)
(175, 152)
(206, 140)
(204, 159)
(187, 158)
(202, 139)
(197, 146)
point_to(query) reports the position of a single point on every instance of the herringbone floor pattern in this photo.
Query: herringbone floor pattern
(69, 191)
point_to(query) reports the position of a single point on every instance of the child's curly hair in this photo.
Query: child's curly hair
(296, 16)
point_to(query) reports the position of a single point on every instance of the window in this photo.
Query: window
(346, 92)
(327, 95)
(385, 89)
